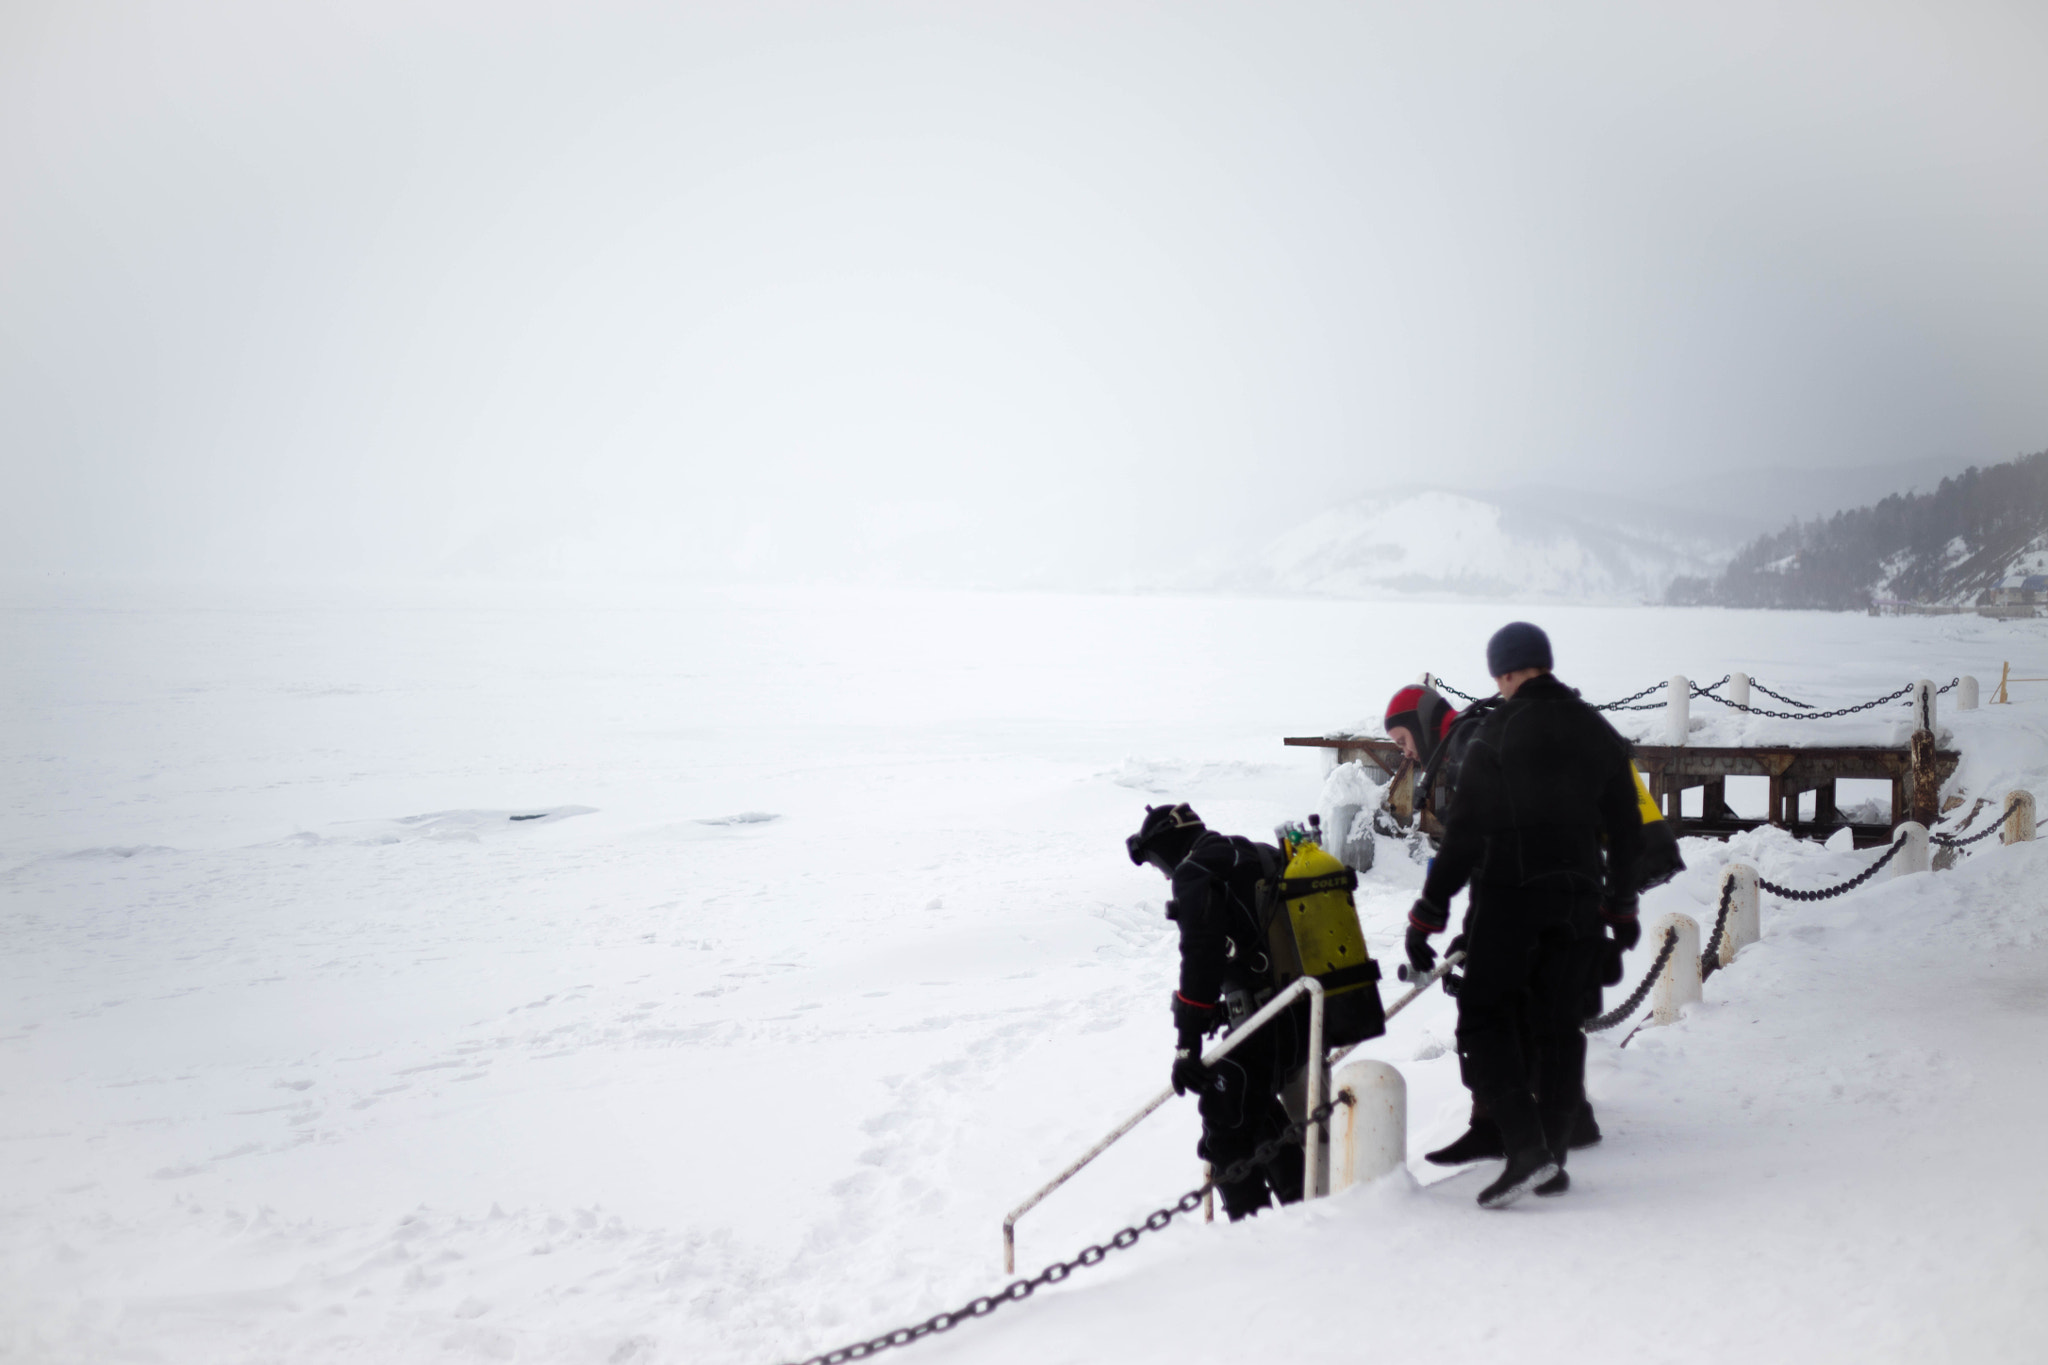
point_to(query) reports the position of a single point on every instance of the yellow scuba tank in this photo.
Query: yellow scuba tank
(1644, 801)
(1312, 930)
(1661, 860)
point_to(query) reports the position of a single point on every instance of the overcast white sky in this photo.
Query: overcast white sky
(395, 288)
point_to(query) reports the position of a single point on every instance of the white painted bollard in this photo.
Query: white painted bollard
(1923, 706)
(1966, 693)
(2019, 818)
(1678, 984)
(1370, 1136)
(1677, 710)
(1738, 688)
(1913, 857)
(1744, 924)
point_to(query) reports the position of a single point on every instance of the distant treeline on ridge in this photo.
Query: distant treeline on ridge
(1950, 546)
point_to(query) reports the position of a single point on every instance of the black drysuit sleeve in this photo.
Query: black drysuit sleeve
(1464, 842)
(1199, 910)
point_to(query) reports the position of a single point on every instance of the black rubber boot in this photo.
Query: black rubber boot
(1480, 1142)
(1527, 1168)
(1529, 1160)
(1586, 1131)
(1561, 1131)
(1246, 1197)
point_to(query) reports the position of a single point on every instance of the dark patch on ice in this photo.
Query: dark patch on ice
(745, 817)
(461, 825)
(117, 851)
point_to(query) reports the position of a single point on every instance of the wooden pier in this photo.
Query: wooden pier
(1915, 772)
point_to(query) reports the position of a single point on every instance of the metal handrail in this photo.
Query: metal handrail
(1272, 1009)
(1313, 1174)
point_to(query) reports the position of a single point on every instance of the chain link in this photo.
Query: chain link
(1635, 998)
(1623, 704)
(1780, 696)
(1443, 686)
(1016, 1291)
(1710, 960)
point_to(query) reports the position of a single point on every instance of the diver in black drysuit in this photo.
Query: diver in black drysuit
(1223, 961)
(1544, 781)
(1481, 1139)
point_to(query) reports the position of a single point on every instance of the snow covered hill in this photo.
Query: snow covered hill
(1534, 545)
(821, 949)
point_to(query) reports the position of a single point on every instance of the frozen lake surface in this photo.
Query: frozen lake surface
(409, 977)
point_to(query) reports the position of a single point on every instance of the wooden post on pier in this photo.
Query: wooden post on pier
(1923, 792)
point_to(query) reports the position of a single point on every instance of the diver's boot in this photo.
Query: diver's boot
(1529, 1160)
(1480, 1142)
(1527, 1169)
(1585, 1129)
(1560, 1132)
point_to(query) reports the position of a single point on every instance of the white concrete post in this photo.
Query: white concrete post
(1679, 983)
(1745, 918)
(1738, 688)
(2019, 819)
(1913, 857)
(1923, 706)
(1677, 710)
(1371, 1136)
(1966, 693)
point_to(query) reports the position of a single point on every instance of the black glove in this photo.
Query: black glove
(1620, 914)
(1193, 1022)
(1427, 916)
(1455, 946)
(1421, 957)
(1188, 1071)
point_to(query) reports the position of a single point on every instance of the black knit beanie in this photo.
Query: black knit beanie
(1517, 645)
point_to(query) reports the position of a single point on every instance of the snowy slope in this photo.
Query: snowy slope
(310, 1051)
(1439, 542)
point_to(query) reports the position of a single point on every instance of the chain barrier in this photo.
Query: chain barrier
(1964, 841)
(1710, 959)
(1809, 714)
(1829, 893)
(1806, 710)
(1016, 1291)
(1635, 997)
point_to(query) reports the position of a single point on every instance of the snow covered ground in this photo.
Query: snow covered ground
(820, 950)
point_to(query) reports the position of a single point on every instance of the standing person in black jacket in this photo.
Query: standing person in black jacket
(1225, 975)
(1544, 783)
